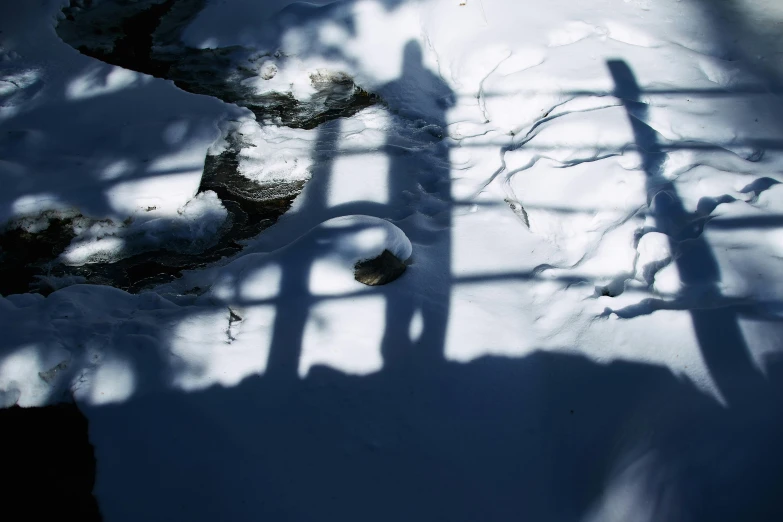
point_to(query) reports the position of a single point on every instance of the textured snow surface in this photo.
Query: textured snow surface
(590, 327)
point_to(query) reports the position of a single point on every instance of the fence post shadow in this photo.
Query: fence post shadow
(291, 315)
(717, 330)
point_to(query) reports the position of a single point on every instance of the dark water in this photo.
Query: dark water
(122, 33)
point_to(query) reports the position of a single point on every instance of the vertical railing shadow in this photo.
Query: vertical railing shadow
(291, 314)
(418, 172)
(717, 330)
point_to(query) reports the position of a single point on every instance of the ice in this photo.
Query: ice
(275, 154)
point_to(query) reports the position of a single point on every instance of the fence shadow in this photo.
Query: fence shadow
(548, 436)
(551, 436)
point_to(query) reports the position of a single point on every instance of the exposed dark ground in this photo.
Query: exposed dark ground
(48, 464)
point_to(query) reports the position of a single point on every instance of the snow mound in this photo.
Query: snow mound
(329, 253)
(273, 154)
(368, 237)
(193, 228)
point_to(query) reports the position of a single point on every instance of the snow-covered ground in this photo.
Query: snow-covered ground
(589, 198)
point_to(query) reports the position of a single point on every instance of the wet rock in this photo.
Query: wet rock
(258, 202)
(380, 270)
(339, 97)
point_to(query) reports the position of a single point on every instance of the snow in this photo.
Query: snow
(588, 198)
(273, 154)
(77, 133)
(193, 228)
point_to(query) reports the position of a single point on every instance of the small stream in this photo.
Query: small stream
(145, 36)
